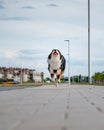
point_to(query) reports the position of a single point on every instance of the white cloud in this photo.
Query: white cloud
(10, 54)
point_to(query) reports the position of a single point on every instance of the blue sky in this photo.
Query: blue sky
(30, 29)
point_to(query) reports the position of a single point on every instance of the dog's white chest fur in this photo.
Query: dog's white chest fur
(55, 63)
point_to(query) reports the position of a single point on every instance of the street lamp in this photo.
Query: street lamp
(89, 50)
(21, 74)
(68, 62)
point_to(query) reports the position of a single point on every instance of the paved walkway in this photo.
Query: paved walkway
(53, 108)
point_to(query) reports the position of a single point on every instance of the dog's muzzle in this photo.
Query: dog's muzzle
(55, 53)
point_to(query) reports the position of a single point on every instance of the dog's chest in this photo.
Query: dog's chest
(55, 63)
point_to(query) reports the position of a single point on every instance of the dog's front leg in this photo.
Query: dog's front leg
(58, 75)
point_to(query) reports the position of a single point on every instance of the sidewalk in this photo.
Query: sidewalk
(53, 108)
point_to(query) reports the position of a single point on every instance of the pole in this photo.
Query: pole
(68, 63)
(21, 74)
(89, 60)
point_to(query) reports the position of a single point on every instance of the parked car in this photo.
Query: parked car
(16, 82)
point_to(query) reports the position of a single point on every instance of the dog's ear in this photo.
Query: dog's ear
(49, 56)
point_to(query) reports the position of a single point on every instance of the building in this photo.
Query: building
(20, 75)
(38, 76)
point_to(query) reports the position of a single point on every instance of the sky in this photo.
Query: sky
(30, 29)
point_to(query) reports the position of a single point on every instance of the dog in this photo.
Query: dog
(56, 65)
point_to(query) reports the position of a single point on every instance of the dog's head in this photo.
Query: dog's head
(55, 53)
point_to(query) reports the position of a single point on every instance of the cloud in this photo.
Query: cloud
(2, 7)
(10, 54)
(98, 62)
(14, 18)
(26, 54)
(78, 62)
(29, 52)
(32, 51)
(52, 5)
(28, 7)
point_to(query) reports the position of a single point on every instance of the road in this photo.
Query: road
(78, 107)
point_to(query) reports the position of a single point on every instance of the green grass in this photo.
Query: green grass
(22, 84)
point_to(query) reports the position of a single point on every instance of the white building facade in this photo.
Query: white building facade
(21, 75)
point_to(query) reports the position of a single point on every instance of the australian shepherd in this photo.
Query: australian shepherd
(56, 65)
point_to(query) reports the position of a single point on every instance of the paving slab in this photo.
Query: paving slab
(74, 107)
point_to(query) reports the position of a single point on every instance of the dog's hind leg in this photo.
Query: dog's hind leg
(58, 78)
(57, 81)
(52, 77)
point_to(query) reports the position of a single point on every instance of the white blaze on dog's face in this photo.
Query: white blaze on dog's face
(55, 53)
(55, 61)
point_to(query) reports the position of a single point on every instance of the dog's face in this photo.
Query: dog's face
(55, 53)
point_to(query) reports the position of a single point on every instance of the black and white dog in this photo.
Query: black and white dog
(56, 64)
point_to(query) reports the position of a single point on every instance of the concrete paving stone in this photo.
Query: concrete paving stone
(74, 107)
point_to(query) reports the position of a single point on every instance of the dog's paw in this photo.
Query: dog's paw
(59, 81)
(56, 84)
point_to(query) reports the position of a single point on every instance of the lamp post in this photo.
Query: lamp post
(21, 68)
(68, 62)
(89, 50)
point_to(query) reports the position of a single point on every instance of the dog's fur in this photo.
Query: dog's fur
(56, 64)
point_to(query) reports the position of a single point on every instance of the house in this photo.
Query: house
(38, 76)
(20, 75)
(25, 75)
(1, 73)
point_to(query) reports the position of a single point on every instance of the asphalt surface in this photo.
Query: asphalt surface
(8, 88)
(75, 107)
